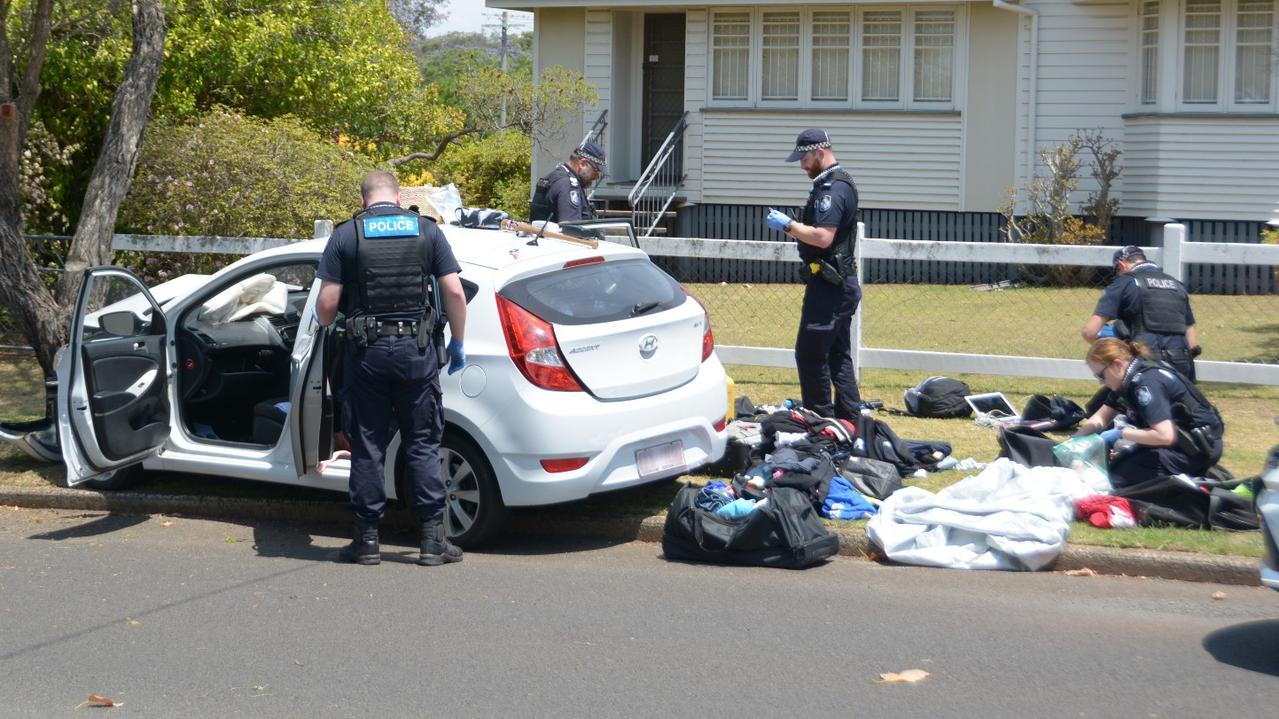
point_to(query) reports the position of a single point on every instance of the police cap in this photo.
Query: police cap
(808, 140)
(1127, 253)
(592, 153)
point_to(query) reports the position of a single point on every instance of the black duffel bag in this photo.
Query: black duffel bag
(786, 532)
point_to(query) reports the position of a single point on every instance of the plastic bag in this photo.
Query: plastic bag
(446, 199)
(1086, 455)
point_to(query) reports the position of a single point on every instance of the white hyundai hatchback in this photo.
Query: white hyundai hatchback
(587, 370)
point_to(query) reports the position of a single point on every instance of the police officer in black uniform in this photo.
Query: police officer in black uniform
(560, 196)
(826, 234)
(1172, 427)
(390, 271)
(1152, 307)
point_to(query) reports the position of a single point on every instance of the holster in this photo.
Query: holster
(1197, 441)
(358, 330)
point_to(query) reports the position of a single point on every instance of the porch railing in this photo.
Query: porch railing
(660, 182)
(596, 135)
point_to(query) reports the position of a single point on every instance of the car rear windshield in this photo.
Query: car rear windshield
(600, 292)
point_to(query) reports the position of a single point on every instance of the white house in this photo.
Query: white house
(932, 106)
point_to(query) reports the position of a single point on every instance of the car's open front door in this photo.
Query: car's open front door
(115, 402)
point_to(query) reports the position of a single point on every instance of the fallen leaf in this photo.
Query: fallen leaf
(907, 676)
(1218, 595)
(231, 540)
(99, 701)
(298, 662)
(131, 621)
(166, 523)
(254, 605)
(1085, 572)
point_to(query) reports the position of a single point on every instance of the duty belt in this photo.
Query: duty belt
(360, 330)
(397, 329)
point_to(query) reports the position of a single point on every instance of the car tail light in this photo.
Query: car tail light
(720, 424)
(584, 261)
(530, 340)
(708, 338)
(565, 464)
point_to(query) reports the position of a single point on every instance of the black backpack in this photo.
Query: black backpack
(1052, 414)
(938, 397)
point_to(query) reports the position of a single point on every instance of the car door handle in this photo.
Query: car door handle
(139, 345)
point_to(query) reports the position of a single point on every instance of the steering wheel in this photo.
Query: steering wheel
(193, 363)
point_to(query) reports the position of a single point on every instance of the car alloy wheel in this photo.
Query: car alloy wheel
(473, 508)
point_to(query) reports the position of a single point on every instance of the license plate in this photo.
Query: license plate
(661, 458)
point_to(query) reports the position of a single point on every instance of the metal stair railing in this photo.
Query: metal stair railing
(596, 135)
(657, 186)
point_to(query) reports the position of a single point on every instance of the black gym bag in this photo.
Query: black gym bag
(786, 532)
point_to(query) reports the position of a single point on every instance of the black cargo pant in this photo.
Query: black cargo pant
(823, 348)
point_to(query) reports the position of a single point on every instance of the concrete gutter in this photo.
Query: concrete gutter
(852, 540)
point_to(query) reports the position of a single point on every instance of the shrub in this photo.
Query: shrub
(492, 172)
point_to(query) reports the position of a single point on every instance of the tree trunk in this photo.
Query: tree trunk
(113, 172)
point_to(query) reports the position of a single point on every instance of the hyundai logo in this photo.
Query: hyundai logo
(648, 346)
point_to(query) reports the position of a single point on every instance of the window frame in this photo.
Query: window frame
(906, 70)
(1171, 58)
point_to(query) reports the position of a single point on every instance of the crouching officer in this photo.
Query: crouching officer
(1151, 307)
(1173, 428)
(826, 234)
(560, 196)
(382, 268)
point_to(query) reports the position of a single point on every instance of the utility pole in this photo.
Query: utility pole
(503, 55)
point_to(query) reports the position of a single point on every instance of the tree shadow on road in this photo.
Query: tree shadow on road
(1248, 646)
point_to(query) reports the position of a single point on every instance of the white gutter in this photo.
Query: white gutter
(1032, 88)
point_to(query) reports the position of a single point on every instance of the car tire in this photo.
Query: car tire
(473, 507)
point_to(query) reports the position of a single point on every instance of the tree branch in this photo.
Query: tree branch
(6, 60)
(30, 89)
(439, 148)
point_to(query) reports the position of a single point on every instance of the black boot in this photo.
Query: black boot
(436, 547)
(363, 549)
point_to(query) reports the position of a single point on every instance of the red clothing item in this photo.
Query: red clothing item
(1106, 512)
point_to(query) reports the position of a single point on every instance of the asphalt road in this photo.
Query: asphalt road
(194, 618)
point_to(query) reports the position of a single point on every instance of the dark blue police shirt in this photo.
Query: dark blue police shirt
(339, 263)
(568, 198)
(1148, 395)
(1122, 300)
(842, 200)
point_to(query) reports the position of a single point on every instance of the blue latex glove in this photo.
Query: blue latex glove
(1111, 435)
(457, 358)
(1107, 330)
(778, 220)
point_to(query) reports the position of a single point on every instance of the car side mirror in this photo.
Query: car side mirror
(121, 324)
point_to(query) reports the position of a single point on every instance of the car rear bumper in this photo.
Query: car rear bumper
(540, 425)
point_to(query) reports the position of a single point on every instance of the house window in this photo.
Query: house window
(934, 54)
(730, 55)
(1227, 54)
(899, 57)
(1201, 51)
(831, 34)
(881, 54)
(780, 62)
(1254, 51)
(1149, 51)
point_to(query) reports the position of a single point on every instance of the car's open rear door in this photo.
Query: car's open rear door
(115, 402)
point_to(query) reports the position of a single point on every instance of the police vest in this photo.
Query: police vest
(392, 264)
(841, 248)
(540, 208)
(1190, 410)
(1163, 304)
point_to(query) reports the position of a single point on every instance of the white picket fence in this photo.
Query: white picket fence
(1176, 253)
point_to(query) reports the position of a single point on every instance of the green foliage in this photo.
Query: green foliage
(237, 176)
(543, 111)
(490, 173)
(447, 61)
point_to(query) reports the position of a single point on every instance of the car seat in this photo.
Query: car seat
(268, 420)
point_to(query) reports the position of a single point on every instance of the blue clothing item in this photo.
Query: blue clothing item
(714, 495)
(844, 502)
(340, 262)
(457, 357)
(737, 508)
(392, 385)
(823, 348)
